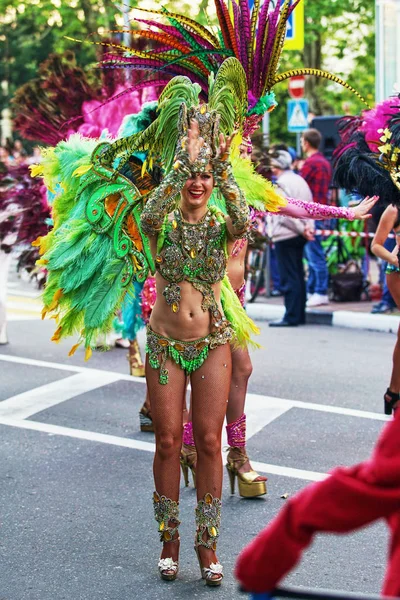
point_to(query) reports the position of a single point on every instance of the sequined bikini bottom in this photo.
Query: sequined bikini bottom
(188, 355)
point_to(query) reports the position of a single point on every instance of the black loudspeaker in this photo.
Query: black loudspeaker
(330, 135)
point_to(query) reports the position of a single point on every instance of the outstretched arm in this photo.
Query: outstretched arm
(312, 210)
(348, 499)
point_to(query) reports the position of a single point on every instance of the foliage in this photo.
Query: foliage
(30, 30)
(339, 37)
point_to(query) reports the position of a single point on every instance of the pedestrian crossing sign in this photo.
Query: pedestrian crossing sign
(297, 115)
(295, 29)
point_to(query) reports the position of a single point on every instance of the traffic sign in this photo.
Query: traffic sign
(296, 86)
(297, 115)
(295, 28)
(294, 39)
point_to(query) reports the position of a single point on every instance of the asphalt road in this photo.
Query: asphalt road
(76, 472)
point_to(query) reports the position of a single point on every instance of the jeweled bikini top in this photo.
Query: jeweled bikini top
(192, 252)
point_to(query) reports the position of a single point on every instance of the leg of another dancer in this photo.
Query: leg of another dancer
(210, 388)
(238, 465)
(392, 394)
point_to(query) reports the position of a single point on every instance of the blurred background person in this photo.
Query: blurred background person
(317, 172)
(290, 236)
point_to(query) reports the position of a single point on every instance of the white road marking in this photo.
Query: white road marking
(65, 367)
(261, 410)
(256, 402)
(147, 447)
(37, 399)
(16, 292)
(23, 308)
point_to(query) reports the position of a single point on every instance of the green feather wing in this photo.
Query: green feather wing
(96, 248)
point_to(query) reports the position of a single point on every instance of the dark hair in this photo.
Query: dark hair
(313, 137)
(278, 146)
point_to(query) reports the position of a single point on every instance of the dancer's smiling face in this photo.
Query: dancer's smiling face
(198, 188)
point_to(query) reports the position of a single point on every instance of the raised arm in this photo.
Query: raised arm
(238, 220)
(162, 200)
(312, 210)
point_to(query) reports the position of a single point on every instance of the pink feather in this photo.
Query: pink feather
(378, 118)
(245, 19)
(261, 25)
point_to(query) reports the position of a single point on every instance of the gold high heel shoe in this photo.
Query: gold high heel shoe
(166, 511)
(146, 422)
(136, 366)
(208, 519)
(248, 486)
(188, 461)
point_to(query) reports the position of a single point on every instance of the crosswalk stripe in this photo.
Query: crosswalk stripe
(147, 446)
(41, 398)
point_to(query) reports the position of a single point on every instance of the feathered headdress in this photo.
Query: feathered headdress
(227, 98)
(181, 46)
(368, 159)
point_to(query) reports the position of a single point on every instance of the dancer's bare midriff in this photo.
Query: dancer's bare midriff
(190, 322)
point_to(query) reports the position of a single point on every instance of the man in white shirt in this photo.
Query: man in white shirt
(290, 236)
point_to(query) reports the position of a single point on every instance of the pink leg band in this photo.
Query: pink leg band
(236, 432)
(188, 438)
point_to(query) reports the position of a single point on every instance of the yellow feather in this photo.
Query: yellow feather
(36, 170)
(74, 349)
(81, 170)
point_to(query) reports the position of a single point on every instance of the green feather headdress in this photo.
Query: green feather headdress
(227, 99)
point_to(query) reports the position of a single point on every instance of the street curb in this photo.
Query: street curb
(337, 318)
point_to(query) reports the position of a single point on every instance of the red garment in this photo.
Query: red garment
(317, 172)
(348, 499)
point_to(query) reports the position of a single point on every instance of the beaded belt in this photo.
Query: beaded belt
(392, 269)
(188, 355)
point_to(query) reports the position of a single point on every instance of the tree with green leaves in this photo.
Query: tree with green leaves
(340, 38)
(31, 30)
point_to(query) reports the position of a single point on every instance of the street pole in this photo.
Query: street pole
(298, 144)
(265, 130)
(126, 36)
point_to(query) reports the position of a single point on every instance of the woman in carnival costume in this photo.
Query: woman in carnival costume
(181, 46)
(114, 221)
(368, 159)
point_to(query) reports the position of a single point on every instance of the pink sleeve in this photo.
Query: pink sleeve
(299, 209)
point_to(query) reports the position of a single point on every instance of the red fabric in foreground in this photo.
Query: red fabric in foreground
(348, 499)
